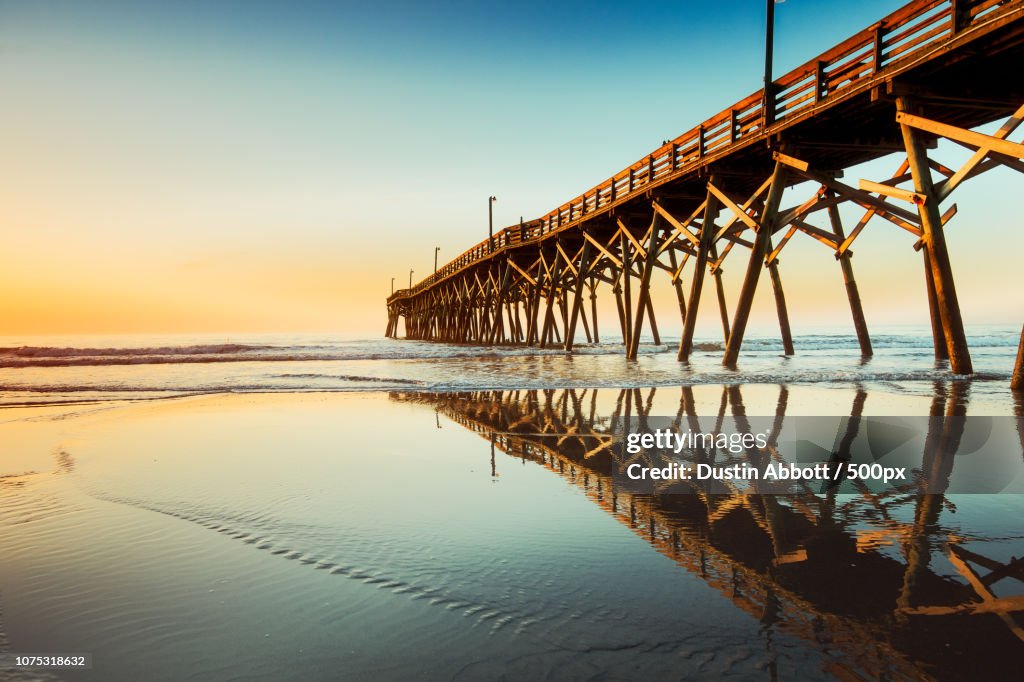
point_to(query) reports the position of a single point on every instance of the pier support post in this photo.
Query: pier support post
(627, 275)
(935, 241)
(643, 303)
(617, 290)
(577, 298)
(723, 308)
(1017, 382)
(755, 264)
(707, 237)
(498, 329)
(677, 284)
(549, 314)
(533, 309)
(852, 293)
(938, 335)
(780, 304)
(593, 309)
(654, 322)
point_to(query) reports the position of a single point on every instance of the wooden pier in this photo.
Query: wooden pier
(932, 69)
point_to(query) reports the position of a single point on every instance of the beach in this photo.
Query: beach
(474, 533)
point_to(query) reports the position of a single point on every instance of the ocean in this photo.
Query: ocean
(81, 369)
(314, 508)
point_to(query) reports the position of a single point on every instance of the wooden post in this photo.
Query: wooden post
(707, 236)
(643, 302)
(852, 293)
(935, 240)
(577, 299)
(549, 314)
(499, 299)
(617, 290)
(780, 304)
(627, 269)
(677, 284)
(654, 322)
(755, 264)
(586, 324)
(593, 308)
(938, 335)
(723, 308)
(1017, 382)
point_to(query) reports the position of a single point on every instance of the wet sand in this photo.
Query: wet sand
(390, 536)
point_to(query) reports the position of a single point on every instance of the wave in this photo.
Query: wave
(64, 352)
(388, 349)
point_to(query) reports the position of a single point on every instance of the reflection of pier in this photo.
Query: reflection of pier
(842, 571)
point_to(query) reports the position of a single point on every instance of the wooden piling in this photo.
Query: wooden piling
(1017, 382)
(654, 322)
(627, 269)
(707, 236)
(593, 309)
(852, 293)
(586, 324)
(780, 305)
(935, 239)
(935, 318)
(755, 265)
(577, 299)
(677, 284)
(643, 302)
(617, 290)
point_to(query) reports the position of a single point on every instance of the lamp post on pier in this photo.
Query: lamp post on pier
(490, 222)
(392, 286)
(410, 279)
(769, 45)
(436, 249)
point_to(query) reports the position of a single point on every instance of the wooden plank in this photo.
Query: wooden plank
(964, 172)
(790, 161)
(727, 225)
(680, 228)
(969, 137)
(522, 272)
(818, 234)
(606, 252)
(894, 192)
(731, 205)
(882, 207)
(629, 235)
(568, 261)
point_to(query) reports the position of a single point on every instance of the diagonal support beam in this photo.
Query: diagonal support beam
(707, 237)
(755, 265)
(990, 143)
(577, 299)
(947, 187)
(643, 302)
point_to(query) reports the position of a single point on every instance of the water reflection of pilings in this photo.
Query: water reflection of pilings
(814, 564)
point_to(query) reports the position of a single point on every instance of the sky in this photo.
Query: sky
(236, 167)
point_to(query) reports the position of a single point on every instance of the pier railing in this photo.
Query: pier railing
(898, 38)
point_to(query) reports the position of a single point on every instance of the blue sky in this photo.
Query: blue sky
(244, 165)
